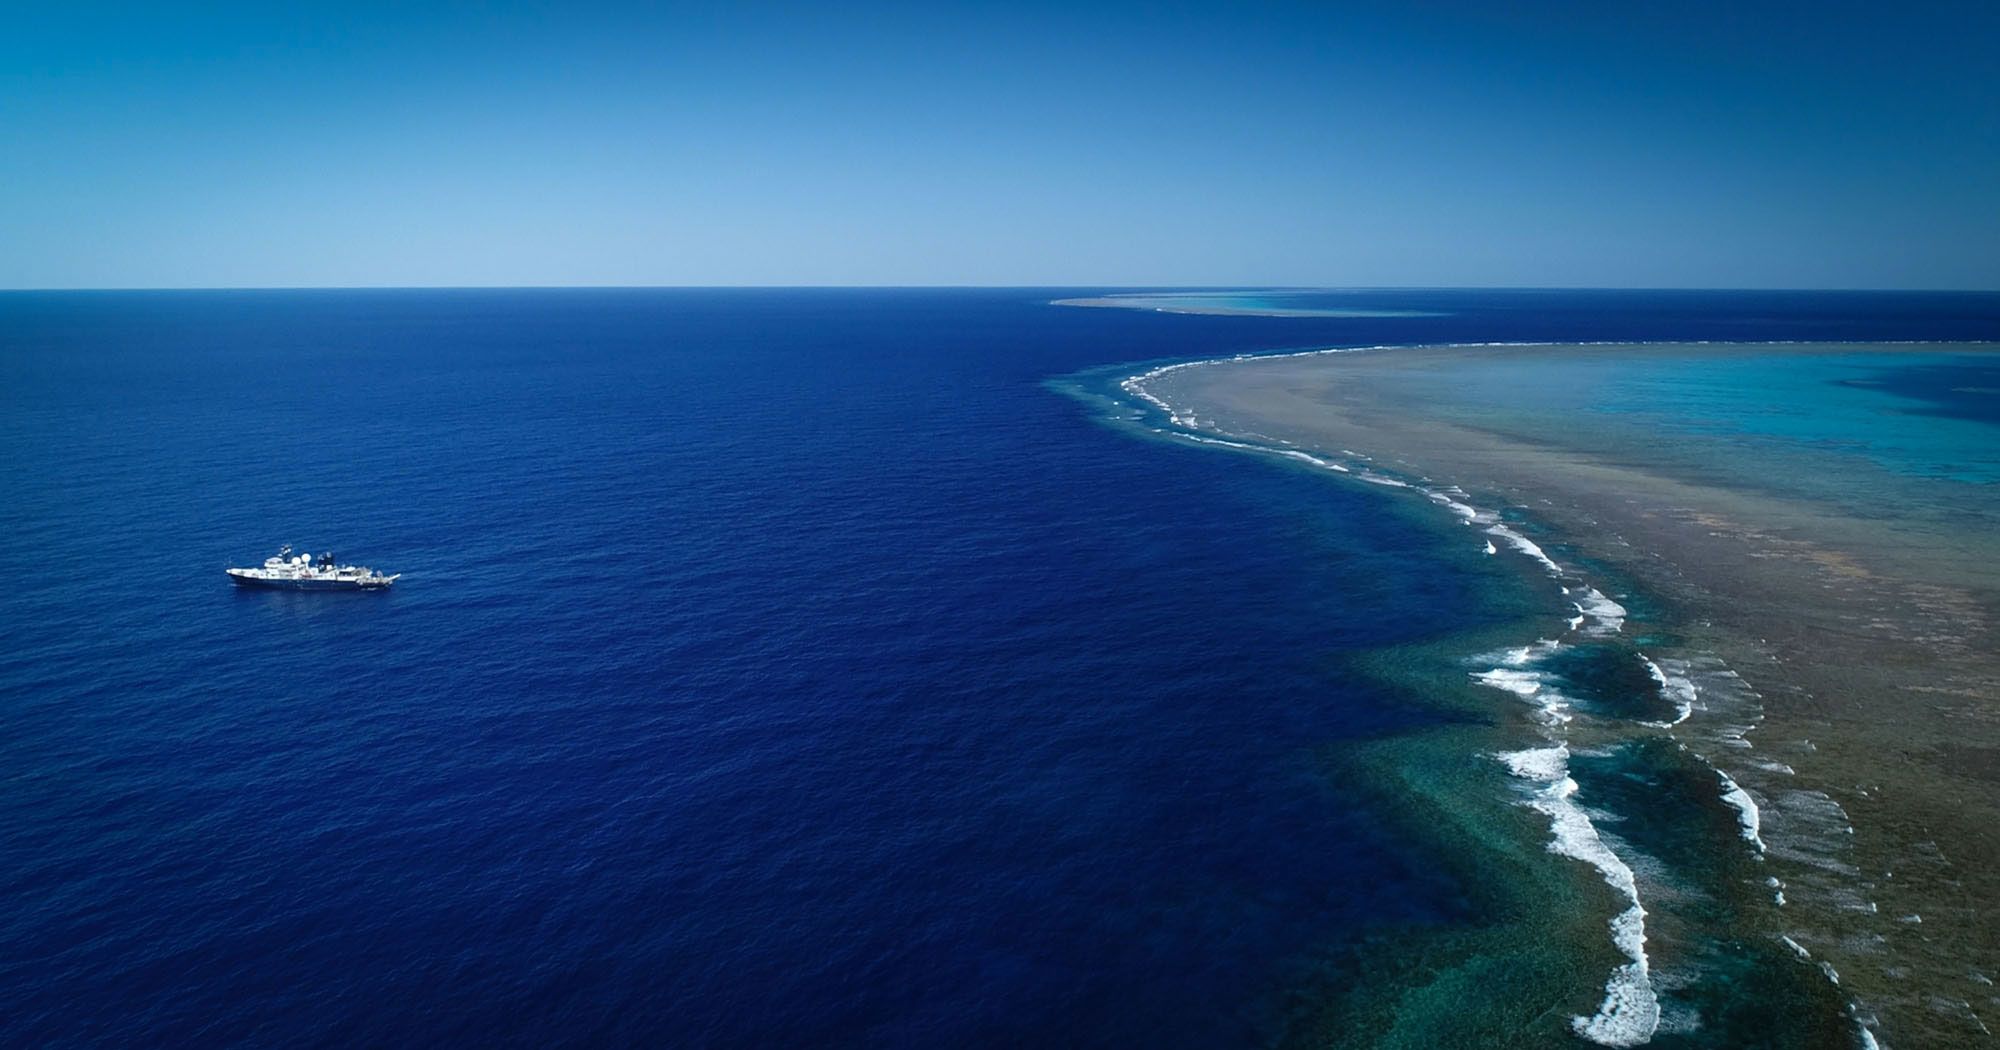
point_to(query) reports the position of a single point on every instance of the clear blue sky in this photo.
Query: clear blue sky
(1588, 144)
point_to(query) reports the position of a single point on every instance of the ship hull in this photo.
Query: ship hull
(309, 585)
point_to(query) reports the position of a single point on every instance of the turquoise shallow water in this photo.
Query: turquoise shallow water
(1925, 412)
(1905, 437)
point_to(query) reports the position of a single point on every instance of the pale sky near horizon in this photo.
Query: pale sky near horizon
(1538, 144)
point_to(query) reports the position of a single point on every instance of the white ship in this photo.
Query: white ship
(303, 572)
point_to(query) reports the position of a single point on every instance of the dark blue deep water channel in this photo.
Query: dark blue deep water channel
(769, 668)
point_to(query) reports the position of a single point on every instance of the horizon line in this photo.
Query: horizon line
(989, 287)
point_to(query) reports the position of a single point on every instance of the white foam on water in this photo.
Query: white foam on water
(1307, 457)
(1606, 616)
(1803, 834)
(1453, 499)
(1136, 386)
(1551, 707)
(1303, 457)
(1523, 655)
(1731, 710)
(1443, 498)
(1323, 464)
(1543, 764)
(1630, 1012)
(1819, 838)
(1677, 687)
(1523, 684)
(1748, 817)
(1525, 546)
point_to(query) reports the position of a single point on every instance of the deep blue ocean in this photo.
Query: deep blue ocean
(769, 666)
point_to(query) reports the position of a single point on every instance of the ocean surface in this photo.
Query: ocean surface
(769, 666)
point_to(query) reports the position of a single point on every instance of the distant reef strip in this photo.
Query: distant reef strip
(1236, 304)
